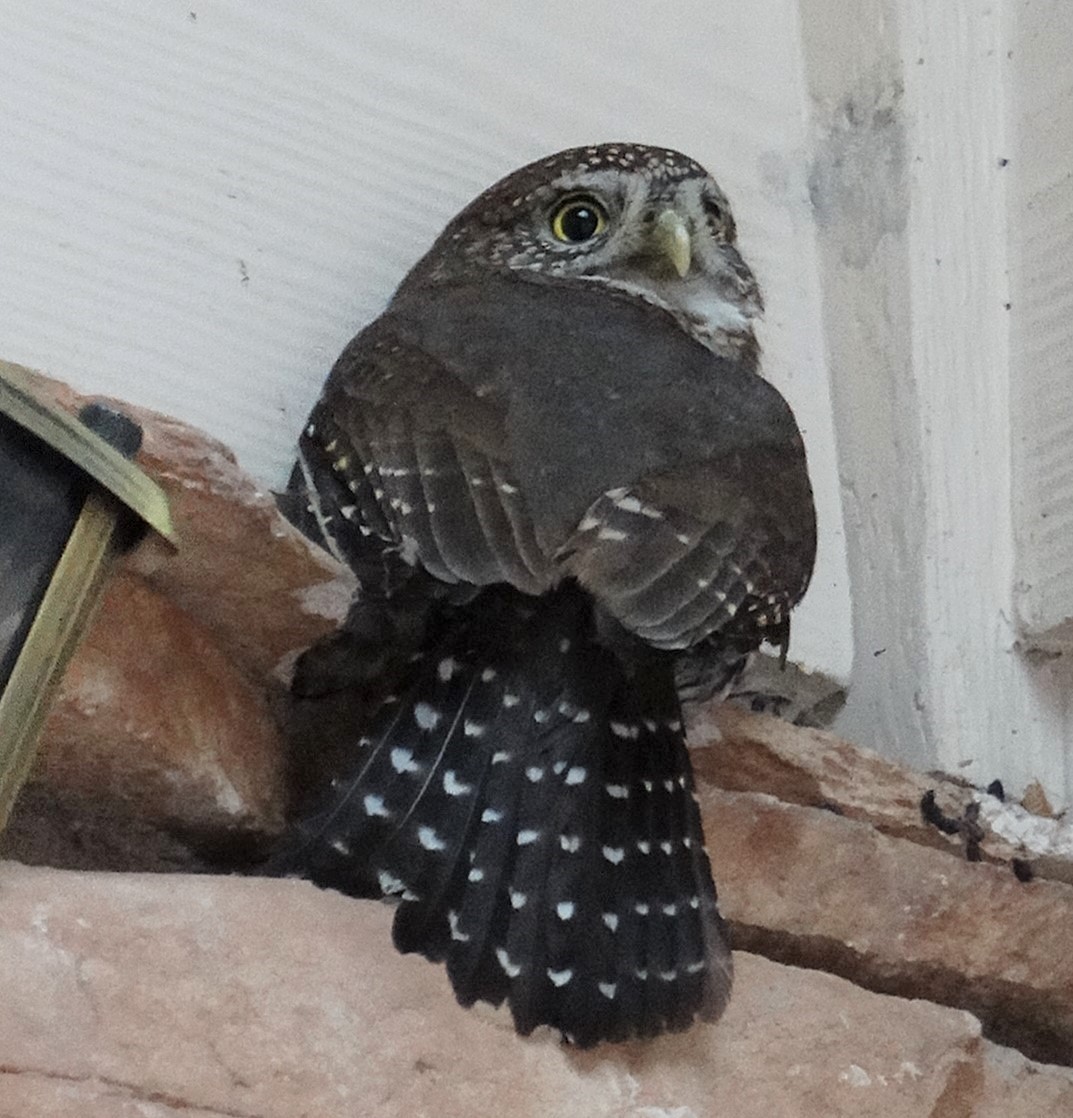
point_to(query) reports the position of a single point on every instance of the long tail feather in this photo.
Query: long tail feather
(529, 803)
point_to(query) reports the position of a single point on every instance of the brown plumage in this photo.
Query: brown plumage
(555, 467)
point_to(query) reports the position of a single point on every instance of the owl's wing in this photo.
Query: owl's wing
(593, 438)
(718, 547)
(404, 465)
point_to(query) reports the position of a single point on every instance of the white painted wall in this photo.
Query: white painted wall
(198, 208)
(201, 202)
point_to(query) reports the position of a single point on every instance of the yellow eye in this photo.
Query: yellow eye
(578, 219)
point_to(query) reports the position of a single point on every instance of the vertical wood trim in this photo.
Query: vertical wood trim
(1041, 296)
(910, 103)
(859, 194)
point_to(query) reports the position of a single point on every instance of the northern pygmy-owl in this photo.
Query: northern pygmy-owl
(556, 469)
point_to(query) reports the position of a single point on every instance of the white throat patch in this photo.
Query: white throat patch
(700, 310)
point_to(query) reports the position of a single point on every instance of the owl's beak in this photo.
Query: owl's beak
(671, 241)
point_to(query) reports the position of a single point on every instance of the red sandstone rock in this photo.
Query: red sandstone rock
(810, 887)
(241, 570)
(153, 996)
(163, 718)
(746, 752)
(151, 713)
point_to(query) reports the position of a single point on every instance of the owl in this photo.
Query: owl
(557, 471)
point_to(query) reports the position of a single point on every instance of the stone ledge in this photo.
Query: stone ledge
(149, 995)
(807, 887)
(744, 752)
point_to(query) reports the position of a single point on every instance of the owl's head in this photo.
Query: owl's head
(649, 221)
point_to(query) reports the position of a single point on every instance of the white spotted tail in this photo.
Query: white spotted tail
(529, 803)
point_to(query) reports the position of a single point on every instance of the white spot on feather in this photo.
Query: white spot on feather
(428, 838)
(510, 969)
(453, 786)
(374, 806)
(426, 717)
(389, 883)
(402, 760)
